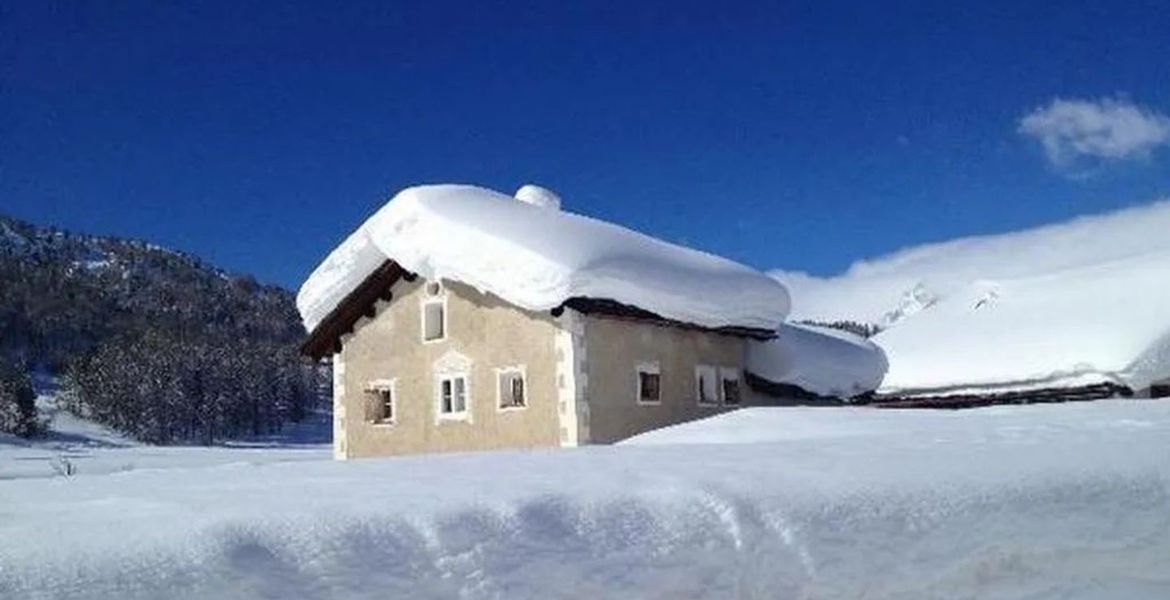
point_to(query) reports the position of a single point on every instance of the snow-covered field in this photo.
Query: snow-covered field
(86, 448)
(1044, 501)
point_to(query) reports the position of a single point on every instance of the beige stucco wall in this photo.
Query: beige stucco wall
(482, 328)
(614, 348)
(580, 375)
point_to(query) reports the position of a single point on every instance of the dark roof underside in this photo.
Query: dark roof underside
(326, 338)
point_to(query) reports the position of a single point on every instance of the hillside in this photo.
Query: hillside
(65, 292)
(153, 343)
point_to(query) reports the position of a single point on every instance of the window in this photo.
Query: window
(649, 384)
(453, 397)
(434, 320)
(380, 403)
(452, 387)
(706, 391)
(511, 389)
(729, 386)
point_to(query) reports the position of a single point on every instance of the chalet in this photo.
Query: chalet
(458, 318)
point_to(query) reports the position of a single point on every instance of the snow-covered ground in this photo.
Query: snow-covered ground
(86, 448)
(1046, 501)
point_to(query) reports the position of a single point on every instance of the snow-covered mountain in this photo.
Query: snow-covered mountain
(1081, 302)
(64, 292)
(153, 343)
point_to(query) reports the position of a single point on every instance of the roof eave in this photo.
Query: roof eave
(325, 339)
(326, 336)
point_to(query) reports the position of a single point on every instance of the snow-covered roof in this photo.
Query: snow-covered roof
(1101, 323)
(535, 256)
(1068, 304)
(824, 361)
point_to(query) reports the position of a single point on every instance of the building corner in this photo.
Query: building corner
(572, 380)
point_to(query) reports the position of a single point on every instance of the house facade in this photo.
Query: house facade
(436, 366)
(458, 318)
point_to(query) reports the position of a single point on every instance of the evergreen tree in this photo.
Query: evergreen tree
(155, 343)
(18, 408)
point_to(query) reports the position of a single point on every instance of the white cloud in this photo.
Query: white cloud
(1110, 129)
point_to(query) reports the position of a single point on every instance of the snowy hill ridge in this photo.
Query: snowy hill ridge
(1070, 304)
(18, 238)
(64, 292)
(869, 289)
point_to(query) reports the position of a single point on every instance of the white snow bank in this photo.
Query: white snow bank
(1067, 501)
(824, 361)
(866, 427)
(90, 449)
(1083, 301)
(870, 289)
(1109, 320)
(537, 258)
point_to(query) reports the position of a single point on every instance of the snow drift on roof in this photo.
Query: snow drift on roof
(824, 361)
(1087, 301)
(1107, 322)
(537, 257)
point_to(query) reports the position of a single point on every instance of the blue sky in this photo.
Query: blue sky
(784, 135)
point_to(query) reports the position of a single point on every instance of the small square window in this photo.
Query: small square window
(380, 404)
(706, 390)
(512, 392)
(434, 320)
(649, 384)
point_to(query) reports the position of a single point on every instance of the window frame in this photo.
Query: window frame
(520, 370)
(700, 371)
(649, 368)
(379, 386)
(463, 415)
(429, 299)
(730, 374)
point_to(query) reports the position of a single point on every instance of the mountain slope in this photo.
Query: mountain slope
(64, 293)
(888, 288)
(153, 343)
